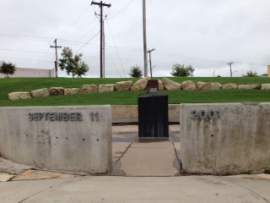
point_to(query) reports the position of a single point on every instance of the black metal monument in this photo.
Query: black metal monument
(153, 115)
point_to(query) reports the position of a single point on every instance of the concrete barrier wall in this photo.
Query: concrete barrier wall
(70, 139)
(225, 138)
(129, 113)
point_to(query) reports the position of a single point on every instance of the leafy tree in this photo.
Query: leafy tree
(251, 74)
(7, 69)
(179, 70)
(135, 72)
(72, 64)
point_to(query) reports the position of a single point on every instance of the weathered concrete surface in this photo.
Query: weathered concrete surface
(129, 113)
(149, 159)
(236, 141)
(4, 177)
(38, 175)
(19, 95)
(193, 189)
(80, 144)
(7, 166)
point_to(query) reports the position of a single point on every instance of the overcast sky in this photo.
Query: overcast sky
(206, 34)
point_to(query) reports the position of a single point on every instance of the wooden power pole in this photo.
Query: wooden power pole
(144, 40)
(150, 61)
(56, 57)
(101, 5)
(230, 64)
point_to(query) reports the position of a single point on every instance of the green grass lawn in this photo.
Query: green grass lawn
(8, 85)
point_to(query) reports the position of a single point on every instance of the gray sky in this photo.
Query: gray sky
(206, 34)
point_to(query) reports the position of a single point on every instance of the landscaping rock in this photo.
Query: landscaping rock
(229, 87)
(160, 85)
(19, 95)
(170, 85)
(56, 91)
(140, 84)
(70, 91)
(209, 86)
(105, 88)
(249, 87)
(123, 86)
(265, 87)
(40, 93)
(189, 85)
(200, 85)
(87, 89)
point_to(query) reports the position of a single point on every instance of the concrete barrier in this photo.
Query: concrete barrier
(129, 113)
(68, 139)
(225, 139)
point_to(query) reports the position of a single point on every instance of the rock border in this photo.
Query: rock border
(141, 84)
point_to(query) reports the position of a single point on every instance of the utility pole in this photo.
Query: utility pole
(101, 4)
(150, 60)
(56, 57)
(230, 64)
(144, 40)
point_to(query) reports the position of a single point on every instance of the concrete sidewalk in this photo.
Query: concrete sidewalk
(112, 189)
(143, 172)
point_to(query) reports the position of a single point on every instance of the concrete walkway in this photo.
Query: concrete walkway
(143, 172)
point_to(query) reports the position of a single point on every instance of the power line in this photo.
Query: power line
(116, 48)
(122, 9)
(87, 42)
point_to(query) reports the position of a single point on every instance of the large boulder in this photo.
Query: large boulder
(209, 86)
(105, 88)
(249, 87)
(123, 86)
(265, 87)
(87, 89)
(40, 93)
(140, 84)
(189, 85)
(160, 85)
(171, 85)
(56, 91)
(70, 91)
(19, 95)
(229, 87)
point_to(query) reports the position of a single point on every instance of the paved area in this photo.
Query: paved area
(143, 172)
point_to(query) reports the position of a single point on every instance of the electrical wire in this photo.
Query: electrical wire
(121, 10)
(116, 48)
(87, 42)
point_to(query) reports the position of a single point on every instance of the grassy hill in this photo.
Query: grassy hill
(8, 85)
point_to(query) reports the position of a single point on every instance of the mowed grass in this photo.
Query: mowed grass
(8, 85)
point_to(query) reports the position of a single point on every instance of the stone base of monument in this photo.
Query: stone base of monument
(153, 116)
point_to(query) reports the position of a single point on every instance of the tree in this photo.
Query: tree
(7, 69)
(251, 74)
(72, 64)
(135, 72)
(179, 70)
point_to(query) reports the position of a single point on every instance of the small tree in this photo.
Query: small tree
(179, 70)
(135, 72)
(72, 64)
(251, 74)
(7, 69)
